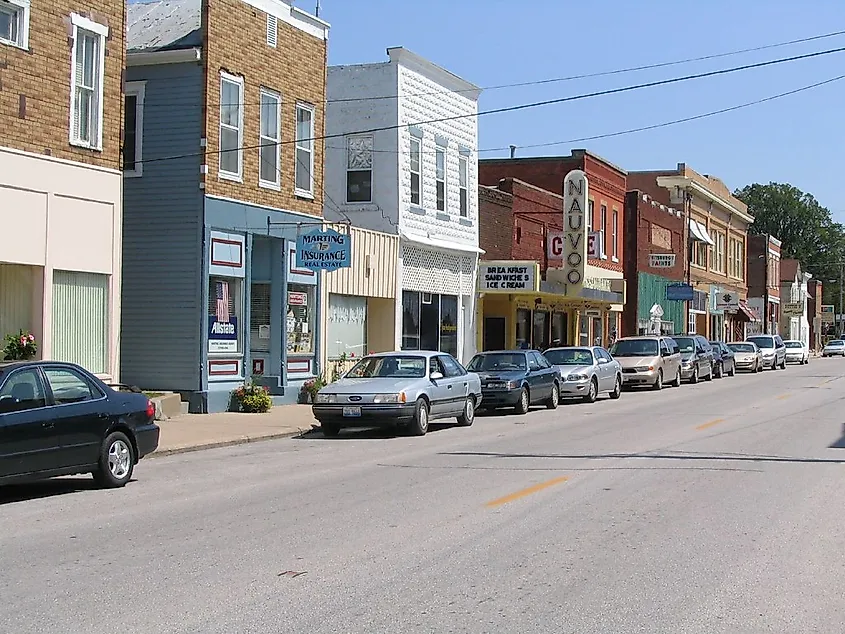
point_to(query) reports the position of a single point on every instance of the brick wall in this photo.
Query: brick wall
(35, 84)
(756, 266)
(496, 226)
(236, 42)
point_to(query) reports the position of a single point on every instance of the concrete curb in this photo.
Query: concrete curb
(243, 440)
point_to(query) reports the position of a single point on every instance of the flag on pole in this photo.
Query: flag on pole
(223, 302)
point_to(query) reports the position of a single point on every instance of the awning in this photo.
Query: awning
(699, 232)
(439, 243)
(746, 311)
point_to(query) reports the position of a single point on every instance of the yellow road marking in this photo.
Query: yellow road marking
(526, 492)
(711, 423)
(783, 396)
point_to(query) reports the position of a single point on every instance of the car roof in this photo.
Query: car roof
(405, 353)
(5, 365)
(517, 351)
(644, 337)
(572, 348)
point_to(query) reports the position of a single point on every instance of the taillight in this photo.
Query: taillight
(151, 410)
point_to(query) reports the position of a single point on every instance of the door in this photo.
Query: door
(494, 333)
(538, 382)
(457, 383)
(441, 390)
(27, 441)
(79, 415)
(550, 372)
(606, 371)
(672, 363)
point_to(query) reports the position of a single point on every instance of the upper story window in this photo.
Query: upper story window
(699, 254)
(231, 127)
(440, 177)
(590, 209)
(359, 169)
(269, 137)
(717, 252)
(14, 22)
(304, 185)
(614, 235)
(736, 259)
(416, 170)
(87, 74)
(463, 177)
(133, 129)
(603, 231)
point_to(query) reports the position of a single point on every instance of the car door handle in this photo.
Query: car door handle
(48, 425)
(102, 416)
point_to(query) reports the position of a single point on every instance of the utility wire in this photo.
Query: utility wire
(525, 106)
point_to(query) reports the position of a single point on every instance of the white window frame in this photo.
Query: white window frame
(21, 9)
(463, 174)
(265, 140)
(445, 180)
(101, 32)
(591, 207)
(603, 230)
(137, 89)
(221, 173)
(358, 169)
(614, 234)
(298, 191)
(418, 142)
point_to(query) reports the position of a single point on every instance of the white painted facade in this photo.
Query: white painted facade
(439, 250)
(796, 327)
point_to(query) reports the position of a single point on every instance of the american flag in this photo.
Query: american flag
(223, 302)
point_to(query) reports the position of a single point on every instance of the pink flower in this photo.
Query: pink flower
(31, 337)
(23, 340)
(352, 354)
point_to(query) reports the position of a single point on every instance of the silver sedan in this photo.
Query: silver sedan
(402, 389)
(747, 356)
(586, 372)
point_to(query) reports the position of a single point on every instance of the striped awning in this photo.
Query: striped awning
(699, 232)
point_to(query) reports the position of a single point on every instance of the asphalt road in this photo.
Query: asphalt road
(701, 509)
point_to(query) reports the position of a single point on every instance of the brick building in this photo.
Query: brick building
(764, 282)
(223, 100)
(655, 256)
(815, 298)
(60, 115)
(594, 313)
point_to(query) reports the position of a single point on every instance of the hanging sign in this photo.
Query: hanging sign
(575, 196)
(792, 309)
(727, 300)
(323, 250)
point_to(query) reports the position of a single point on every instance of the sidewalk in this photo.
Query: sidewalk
(192, 432)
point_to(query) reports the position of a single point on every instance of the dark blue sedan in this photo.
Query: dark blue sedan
(59, 419)
(517, 379)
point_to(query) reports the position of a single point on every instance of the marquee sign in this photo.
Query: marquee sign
(575, 196)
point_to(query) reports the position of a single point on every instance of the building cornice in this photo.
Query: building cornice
(689, 184)
(435, 73)
(153, 58)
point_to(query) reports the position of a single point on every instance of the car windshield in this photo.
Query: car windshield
(763, 342)
(388, 368)
(570, 356)
(686, 344)
(741, 347)
(836, 343)
(634, 348)
(794, 344)
(497, 361)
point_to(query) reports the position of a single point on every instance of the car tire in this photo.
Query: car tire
(783, 364)
(467, 417)
(419, 425)
(733, 370)
(658, 382)
(524, 402)
(694, 378)
(760, 367)
(720, 371)
(329, 430)
(617, 388)
(677, 381)
(554, 398)
(117, 461)
(593, 393)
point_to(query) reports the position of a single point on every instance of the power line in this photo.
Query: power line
(535, 104)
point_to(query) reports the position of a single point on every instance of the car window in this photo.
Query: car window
(686, 344)
(534, 361)
(392, 367)
(742, 347)
(497, 361)
(635, 348)
(68, 386)
(570, 356)
(763, 342)
(449, 365)
(600, 353)
(22, 390)
(664, 347)
(794, 344)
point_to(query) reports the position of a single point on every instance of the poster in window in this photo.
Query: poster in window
(298, 319)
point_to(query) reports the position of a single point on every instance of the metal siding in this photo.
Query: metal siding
(161, 342)
(16, 292)
(652, 290)
(80, 319)
(383, 250)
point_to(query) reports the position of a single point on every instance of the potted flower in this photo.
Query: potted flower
(253, 398)
(20, 347)
(310, 389)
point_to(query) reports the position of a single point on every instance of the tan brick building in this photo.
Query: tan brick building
(225, 118)
(61, 65)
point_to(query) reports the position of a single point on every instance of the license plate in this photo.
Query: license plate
(352, 412)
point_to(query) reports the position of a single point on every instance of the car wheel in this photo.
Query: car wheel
(658, 382)
(720, 371)
(117, 461)
(677, 381)
(709, 376)
(783, 364)
(329, 430)
(467, 417)
(694, 378)
(419, 426)
(554, 399)
(592, 392)
(523, 403)
(617, 388)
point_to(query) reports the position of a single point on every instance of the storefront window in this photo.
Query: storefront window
(559, 337)
(598, 331)
(299, 320)
(541, 330)
(523, 328)
(347, 326)
(584, 331)
(224, 304)
(410, 320)
(429, 322)
(449, 324)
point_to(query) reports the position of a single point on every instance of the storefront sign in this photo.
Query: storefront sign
(323, 250)
(727, 300)
(575, 196)
(222, 335)
(556, 240)
(680, 292)
(828, 314)
(792, 309)
(507, 277)
(661, 260)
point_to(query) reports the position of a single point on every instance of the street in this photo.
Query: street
(708, 508)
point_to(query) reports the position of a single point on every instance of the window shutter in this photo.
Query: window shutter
(272, 30)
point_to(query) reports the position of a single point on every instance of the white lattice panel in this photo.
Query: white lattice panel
(433, 271)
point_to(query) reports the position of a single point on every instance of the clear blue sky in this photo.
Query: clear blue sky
(798, 139)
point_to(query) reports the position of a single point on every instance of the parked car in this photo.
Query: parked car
(399, 389)
(696, 358)
(723, 359)
(586, 372)
(773, 349)
(648, 360)
(747, 356)
(834, 347)
(59, 419)
(796, 352)
(516, 378)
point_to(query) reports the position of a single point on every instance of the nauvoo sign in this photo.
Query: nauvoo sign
(575, 196)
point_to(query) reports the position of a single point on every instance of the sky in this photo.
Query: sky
(796, 139)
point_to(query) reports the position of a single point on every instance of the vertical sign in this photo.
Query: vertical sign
(575, 231)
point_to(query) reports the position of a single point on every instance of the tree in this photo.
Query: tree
(806, 228)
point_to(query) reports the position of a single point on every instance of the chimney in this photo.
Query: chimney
(513, 151)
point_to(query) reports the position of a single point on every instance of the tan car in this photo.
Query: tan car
(648, 360)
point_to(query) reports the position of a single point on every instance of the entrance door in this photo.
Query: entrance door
(494, 333)
(430, 322)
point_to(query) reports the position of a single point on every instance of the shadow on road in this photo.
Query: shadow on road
(44, 489)
(652, 456)
(839, 444)
(369, 433)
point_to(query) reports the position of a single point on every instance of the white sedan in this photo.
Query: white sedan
(834, 348)
(797, 352)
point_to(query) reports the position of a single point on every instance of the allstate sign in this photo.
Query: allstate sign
(323, 251)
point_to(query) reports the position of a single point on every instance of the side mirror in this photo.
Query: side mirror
(602, 361)
(436, 375)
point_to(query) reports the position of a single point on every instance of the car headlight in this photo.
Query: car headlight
(326, 398)
(389, 398)
(578, 377)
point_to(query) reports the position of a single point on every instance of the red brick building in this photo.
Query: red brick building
(763, 266)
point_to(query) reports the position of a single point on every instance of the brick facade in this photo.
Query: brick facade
(607, 188)
(236, 43)
(496, 230)
(35, 84)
